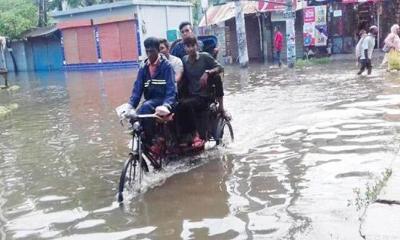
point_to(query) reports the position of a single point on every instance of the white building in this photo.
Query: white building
(154, 18)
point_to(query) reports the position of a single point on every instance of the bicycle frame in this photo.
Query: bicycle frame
(140, 155)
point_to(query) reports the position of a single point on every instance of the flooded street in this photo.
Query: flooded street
(304, 141)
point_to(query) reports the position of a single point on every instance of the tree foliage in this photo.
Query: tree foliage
(58, 4)
(17, 16)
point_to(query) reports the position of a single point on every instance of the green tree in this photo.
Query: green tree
(58, 4)
(17, 16)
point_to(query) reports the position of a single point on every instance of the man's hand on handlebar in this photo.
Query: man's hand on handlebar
(162, 111)
(131, 113)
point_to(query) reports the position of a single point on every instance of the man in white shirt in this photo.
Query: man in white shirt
(367, 48)
(176, 62)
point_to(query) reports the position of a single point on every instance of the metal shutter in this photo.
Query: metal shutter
(86, 45)
(71, 51)
(39, 50)
(54, 54)
(127, 41)
(109, 42)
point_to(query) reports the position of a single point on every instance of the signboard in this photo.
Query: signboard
(277, 17)
(358, 1)
(315, 32)
(289, 14)
(337, 13)
(316, 2)
(271, 5)
(279, 5)
(300, 4)
(309, 15)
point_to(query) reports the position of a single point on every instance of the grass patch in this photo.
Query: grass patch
(314, 61)
(363, 199)
(6, 110)
(12, 88)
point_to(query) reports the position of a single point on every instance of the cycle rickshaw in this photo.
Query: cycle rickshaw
(215, 127)
(218, 130)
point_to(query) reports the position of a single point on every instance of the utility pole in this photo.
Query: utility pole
(290, 15)
(42, 13)
(241, 35)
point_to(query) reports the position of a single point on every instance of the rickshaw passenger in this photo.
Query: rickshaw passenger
(175, 62)
(199, 69)
(178, 47)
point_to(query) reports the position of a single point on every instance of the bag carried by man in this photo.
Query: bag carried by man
(394, 60)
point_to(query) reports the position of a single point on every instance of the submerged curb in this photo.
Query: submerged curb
(382, 218)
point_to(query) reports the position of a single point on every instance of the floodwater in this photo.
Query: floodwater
(305, 141)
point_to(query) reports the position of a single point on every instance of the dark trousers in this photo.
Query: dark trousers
(148, 107)
(278, 57)
(188, 113)
(215, 87)
(365, 64)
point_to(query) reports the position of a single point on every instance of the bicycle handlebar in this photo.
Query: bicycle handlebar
(138, 117)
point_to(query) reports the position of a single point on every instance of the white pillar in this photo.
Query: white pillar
(241, 35)
(290, 15)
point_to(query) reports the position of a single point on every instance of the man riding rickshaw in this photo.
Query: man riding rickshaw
(201, 84)
(165, 126)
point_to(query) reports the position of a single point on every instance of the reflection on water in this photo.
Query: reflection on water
(304, 141)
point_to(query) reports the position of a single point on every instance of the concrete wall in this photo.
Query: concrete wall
(232, 49)
(220, 31)
(176, 15)
(2, 59)
(282, 24)
(253, 38)
(154, 21)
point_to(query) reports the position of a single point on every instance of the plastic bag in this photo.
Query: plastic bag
(394, 60)
(385, 48)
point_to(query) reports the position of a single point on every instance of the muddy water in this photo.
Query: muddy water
(304, 141)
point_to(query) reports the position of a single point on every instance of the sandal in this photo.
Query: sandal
(198, 142)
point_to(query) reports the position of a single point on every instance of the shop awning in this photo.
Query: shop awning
(221, 13)
(358, 1)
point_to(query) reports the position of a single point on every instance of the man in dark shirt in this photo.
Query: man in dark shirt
(178, 48)
(200, 69)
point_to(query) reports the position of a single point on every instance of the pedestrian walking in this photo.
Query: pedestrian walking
(367, 48)
(278, 44)
(392, 49)
(362, 34)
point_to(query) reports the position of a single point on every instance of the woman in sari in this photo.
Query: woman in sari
(392, 48)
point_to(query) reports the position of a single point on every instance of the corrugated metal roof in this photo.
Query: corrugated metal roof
(221, 13)
(90, 22)
(100, 7)
(38, 32)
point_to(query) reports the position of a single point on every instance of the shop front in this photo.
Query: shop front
(345, 19)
